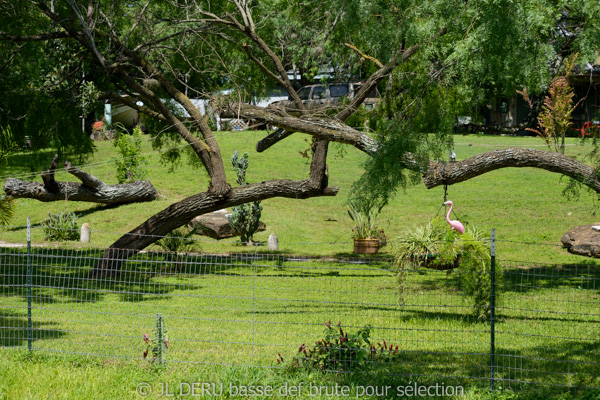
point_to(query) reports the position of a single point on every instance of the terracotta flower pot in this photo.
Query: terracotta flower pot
(366, 246)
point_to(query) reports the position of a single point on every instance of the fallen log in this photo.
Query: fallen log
(90, 189)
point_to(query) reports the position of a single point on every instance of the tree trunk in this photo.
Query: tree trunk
(91, 189)
(182, 212)
(451, 173)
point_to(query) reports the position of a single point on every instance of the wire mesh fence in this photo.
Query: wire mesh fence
(270, 310)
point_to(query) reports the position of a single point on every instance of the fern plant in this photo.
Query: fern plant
(434, 245)
(7, 146)
(7, 209)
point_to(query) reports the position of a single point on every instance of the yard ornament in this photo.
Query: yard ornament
(457, 226)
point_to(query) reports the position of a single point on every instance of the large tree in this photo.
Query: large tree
(432, 61)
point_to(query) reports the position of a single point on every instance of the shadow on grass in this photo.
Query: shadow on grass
(26, 162)
(567, 366)
(60, 275)
(560, 362)
(584, 276)
(13, 329)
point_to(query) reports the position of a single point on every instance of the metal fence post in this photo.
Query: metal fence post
(493, 308)
(29, 326)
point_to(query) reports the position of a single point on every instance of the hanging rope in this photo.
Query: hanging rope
(445, 188)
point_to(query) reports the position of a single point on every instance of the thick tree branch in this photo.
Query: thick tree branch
(325, 129)
(88, 180)
(182, 212)
(357, 100)
(449, 174)
(272, 139)
(90, 189)
(48, 176)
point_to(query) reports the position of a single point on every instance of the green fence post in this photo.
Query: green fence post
(29, 325)
(493, 309)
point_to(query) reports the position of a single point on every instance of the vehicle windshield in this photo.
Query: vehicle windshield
(303, 93)
(338, 90)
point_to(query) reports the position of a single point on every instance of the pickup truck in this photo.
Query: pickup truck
(326, 97)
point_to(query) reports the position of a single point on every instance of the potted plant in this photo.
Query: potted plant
(368, 237)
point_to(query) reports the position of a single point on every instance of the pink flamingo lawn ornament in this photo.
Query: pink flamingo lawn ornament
(457, 226)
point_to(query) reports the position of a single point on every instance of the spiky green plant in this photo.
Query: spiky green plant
(178, 241)
(244, 219)
(364, 213)
(60, 227)
(159, 344)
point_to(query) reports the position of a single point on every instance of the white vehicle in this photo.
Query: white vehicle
(327, 96)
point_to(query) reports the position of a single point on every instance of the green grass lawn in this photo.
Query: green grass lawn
(523, 204)
(238, 311)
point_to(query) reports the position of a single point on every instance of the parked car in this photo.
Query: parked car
(324, 97)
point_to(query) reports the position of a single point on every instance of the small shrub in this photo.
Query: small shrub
(555, 116)
(60, 227)
(177, 243)
(343, 351)
(130, 164)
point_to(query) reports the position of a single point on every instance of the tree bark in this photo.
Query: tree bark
(324, 129)
(91, 189)
(448, 174)
(182, 212)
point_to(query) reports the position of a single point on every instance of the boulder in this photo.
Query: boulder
(583, 240)
(216, 225)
